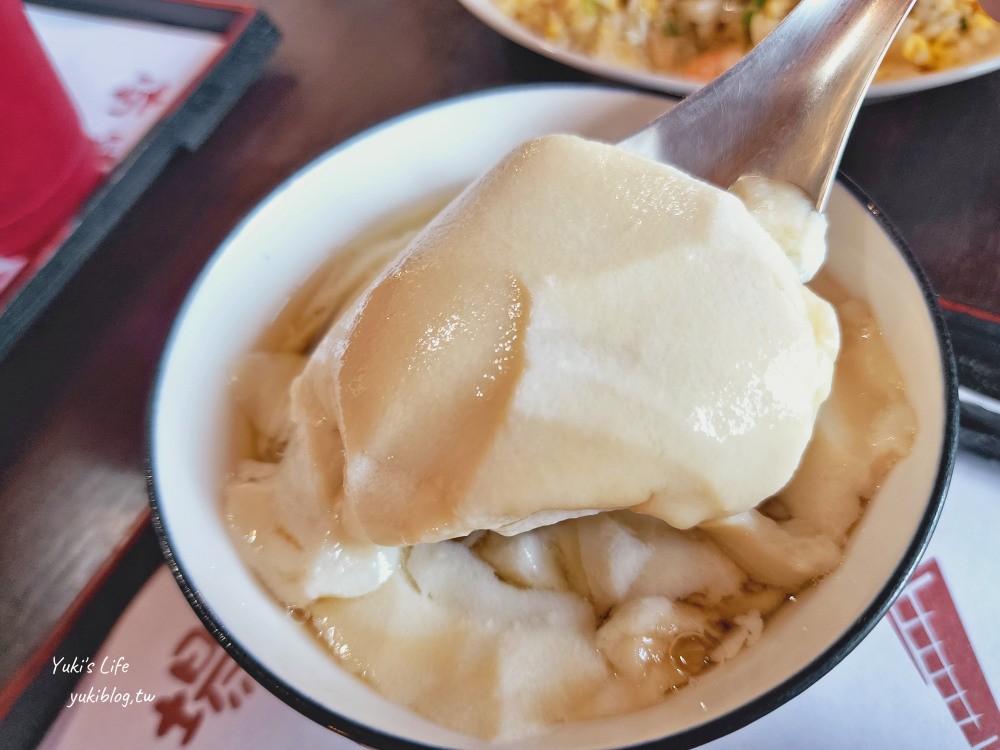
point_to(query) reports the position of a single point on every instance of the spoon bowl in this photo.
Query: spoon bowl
(785, 110)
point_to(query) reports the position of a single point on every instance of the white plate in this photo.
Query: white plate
(487, 12)
(380, 175)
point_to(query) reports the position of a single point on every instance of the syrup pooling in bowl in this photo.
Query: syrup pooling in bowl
(501, 636)
(665, 358)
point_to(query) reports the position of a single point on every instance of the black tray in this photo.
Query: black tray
(250, 38)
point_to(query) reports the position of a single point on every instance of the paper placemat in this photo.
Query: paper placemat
(926, 677)
(139, 73)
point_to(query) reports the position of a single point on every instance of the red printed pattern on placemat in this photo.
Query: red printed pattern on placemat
(211, 679)
(926, 620)
(129, 102)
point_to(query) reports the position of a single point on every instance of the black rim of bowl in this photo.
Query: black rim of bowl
(689, 738)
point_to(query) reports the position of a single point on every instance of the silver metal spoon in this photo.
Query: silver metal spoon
(785, 110)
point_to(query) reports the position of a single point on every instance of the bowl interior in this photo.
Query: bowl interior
(371, 180)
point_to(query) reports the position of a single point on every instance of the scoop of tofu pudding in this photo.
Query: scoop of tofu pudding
(557, 452)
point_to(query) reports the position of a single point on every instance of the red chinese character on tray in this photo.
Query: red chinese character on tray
(926, 620)
(137, 97)
(212, 681)
(109, 148)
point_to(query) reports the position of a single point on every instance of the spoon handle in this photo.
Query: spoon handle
(785, 110)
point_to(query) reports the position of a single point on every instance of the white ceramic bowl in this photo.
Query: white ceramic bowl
(377, 176)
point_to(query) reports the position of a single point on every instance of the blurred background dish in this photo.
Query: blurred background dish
(677, 45)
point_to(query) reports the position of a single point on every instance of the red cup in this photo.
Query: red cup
(47, 163)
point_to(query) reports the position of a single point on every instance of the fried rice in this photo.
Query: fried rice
(700, 39)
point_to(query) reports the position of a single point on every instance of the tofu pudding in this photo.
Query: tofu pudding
(566, 447)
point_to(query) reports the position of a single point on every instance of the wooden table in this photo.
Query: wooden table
(74, 392)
